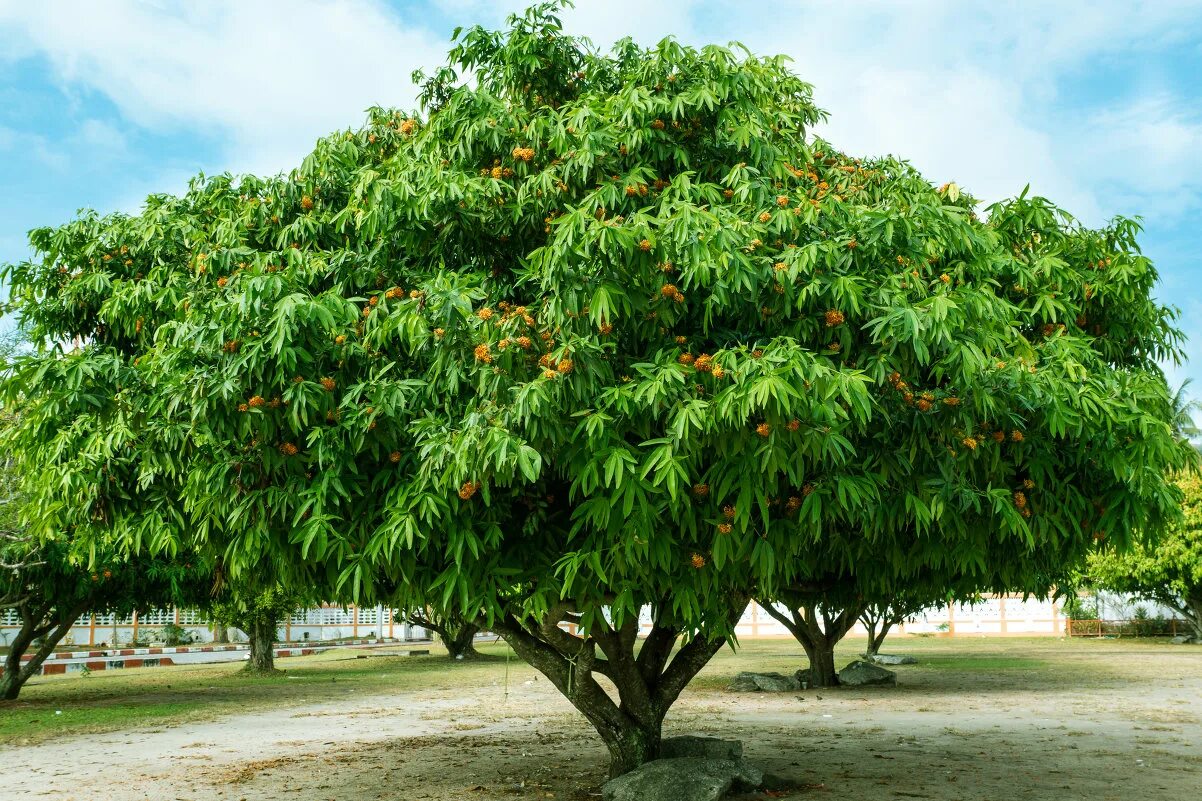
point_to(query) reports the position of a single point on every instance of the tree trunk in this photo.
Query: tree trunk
(876, 639)
(460, 641)
(821, 654)
(819, 633)
(647, 681)
(17, 673)
(221, 634)
(1194, 616)
(261, 633)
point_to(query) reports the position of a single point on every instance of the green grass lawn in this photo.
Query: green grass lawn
(54, 706)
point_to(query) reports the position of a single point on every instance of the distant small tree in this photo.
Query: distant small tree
(258, 611)
(879, 617)
(1167, 571)
(458, 634)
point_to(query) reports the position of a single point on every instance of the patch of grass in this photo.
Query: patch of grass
(984, 663)
(57, 706)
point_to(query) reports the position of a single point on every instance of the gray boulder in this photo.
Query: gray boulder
(1182, 639)
(892, 659)
(685, 779)
(689, 745)
(764, 683)
(860, 674)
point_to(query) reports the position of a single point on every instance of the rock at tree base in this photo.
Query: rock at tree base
(802, 677)
(1182, 639)
(860, 673)
(686, 779)
(892, 659)
(764, 683)
(705, 747)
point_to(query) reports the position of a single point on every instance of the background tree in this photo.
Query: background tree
(1167, 570)
(51, 590)
(881, 616)
(260, 612)
(456, 631)
(588, 335)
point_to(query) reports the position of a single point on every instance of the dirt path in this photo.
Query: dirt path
(1086, 728)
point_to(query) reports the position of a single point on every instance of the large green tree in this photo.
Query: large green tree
(586, 334)
(1165, 569)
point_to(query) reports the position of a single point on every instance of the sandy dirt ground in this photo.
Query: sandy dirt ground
(1121, 723)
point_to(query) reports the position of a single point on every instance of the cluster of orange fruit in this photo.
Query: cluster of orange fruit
(288, 449)
(467, 490)
(833, 318)
(525, 343)
(328, 384)
(306, 203)
(231, 346)
(523, 153)
(670, 291)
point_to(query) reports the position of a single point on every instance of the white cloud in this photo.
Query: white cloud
(962, 91)
(270, 76)
(969, 92)
(1147, 151)
(99, 135)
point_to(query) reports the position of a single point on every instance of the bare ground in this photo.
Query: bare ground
(997, 719)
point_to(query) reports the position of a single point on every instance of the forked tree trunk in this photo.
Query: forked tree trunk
(33, 626)
(819, 633)
(221, 634)
(878, 619)
(261, 633)
(648, 678)
(877, 639)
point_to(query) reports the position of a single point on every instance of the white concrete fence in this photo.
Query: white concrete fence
(305, 625)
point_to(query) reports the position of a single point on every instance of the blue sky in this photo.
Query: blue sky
(1097, 105)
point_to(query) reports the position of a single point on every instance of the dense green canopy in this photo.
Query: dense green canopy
(1165, 569)
(594, 331)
